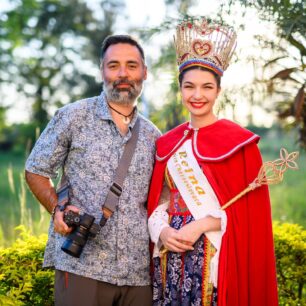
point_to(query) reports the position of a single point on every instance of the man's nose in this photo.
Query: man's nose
(122, 72)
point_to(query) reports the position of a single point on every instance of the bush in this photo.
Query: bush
(290, 251)
(24, 282)
(22, 279)
(18, 137)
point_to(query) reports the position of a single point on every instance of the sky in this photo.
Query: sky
(141, 14)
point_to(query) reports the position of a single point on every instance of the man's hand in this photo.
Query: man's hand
(59, 225)
(172, 240)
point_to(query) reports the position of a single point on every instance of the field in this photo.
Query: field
(18, 206)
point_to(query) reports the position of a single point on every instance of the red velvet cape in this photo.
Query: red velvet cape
(230, 159)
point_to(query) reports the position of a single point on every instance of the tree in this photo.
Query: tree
(48, 48)
(285, 69)
(172, 113)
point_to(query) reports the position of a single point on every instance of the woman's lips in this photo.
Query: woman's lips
(197, 104)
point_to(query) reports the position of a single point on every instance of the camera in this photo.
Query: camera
(84, 227)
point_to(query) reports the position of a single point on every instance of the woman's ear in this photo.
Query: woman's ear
(218, 91)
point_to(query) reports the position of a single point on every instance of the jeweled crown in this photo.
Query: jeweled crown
(202, 43)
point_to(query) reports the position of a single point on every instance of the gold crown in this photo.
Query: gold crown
(200, 43)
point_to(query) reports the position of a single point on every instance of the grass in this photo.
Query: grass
(18, 206)
(288, 198)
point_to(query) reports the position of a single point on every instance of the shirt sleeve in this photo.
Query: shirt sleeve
(51, 149)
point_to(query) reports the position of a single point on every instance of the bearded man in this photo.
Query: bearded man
(86, 139)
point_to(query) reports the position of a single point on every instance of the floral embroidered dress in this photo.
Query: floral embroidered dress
(183, 278)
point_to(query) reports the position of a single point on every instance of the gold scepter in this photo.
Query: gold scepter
(270, 173)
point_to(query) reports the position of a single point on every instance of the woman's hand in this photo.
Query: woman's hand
(172, 240)
(191, 232)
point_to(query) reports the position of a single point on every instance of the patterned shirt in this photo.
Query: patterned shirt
(83, 140)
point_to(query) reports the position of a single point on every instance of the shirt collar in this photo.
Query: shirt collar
(105, 112)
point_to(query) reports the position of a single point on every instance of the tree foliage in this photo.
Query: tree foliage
(172, 113)
(286, 82)
(48, 48)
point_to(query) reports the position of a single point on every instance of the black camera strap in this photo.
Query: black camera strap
(115, 190)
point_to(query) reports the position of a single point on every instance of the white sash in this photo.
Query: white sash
(197, 193)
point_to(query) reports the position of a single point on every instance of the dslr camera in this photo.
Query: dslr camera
(83, 228)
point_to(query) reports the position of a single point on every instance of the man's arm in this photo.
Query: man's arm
(43, 189)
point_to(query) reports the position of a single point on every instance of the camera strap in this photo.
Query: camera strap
(115, 190)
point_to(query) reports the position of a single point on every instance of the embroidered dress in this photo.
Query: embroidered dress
(183, 278)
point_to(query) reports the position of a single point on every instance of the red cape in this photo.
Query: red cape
(230, 159)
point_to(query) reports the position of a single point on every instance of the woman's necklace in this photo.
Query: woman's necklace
(126, 118)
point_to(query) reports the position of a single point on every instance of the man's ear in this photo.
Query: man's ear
(101, 70)
(145, 72)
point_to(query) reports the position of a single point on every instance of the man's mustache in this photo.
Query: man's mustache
(124, 81)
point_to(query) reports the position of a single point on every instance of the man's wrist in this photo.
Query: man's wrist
(57, 207)
(54, 209)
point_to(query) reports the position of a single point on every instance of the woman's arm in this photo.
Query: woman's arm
(160, 231)
(215, 221)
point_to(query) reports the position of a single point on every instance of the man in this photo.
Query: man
(86, 139)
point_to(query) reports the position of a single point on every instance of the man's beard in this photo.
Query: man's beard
(124, 96)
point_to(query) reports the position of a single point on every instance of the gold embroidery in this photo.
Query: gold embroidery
(169, 180)
(163, 266)
(209, 252)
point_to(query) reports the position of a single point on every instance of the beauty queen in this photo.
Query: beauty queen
(203, 255)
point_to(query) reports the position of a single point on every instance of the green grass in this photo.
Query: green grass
(288, 198)
(18, 206)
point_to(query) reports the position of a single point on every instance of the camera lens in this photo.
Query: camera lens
(75, 242)
(72, 248)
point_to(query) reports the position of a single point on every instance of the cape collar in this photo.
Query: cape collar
(215, 142)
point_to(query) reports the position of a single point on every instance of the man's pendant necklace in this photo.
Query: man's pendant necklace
(125, 119)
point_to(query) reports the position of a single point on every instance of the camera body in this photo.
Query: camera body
(84, 227)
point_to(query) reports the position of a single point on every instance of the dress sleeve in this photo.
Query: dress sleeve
(51, 149)
(159, 220)
(218, 213)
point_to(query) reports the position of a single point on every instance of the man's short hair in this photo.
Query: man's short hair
(120, 39)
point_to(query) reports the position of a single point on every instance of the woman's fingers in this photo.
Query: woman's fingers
(175, 244)
(172, 240)
(180, 249)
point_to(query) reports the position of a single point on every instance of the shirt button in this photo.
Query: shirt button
(102, 255)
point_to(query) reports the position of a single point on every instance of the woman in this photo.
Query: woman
(204, 255)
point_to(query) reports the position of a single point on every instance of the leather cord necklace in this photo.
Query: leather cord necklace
(126, 118)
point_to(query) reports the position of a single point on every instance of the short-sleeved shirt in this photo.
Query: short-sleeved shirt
(83, 140)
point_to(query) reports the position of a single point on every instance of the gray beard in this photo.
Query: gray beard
(122, 97)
